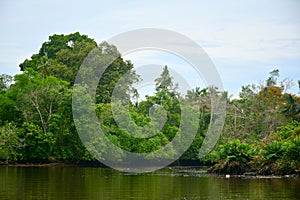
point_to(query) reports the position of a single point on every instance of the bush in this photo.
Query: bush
(233, 158)
(282, 155)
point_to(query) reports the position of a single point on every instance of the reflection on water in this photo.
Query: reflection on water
(172, 183)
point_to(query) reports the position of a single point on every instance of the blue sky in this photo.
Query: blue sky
(245, 39)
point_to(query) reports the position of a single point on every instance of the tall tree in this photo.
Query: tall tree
(61, 56)
(165, 82)
(113, 75)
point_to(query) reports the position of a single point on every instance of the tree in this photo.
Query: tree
(165, 83)
(36, 113)
(258, 111)
(61, 56)
(39, 98)
(113, 76)
(272, 80)
(291, 107)
(9, 142)
(8, 111)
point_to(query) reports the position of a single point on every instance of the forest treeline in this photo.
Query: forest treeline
(261, 131)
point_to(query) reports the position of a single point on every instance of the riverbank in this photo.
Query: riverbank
(44, 163)
(277, 168)
(177, 169)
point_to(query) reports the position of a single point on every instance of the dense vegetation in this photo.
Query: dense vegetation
(261, 133)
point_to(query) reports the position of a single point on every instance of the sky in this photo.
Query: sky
(245, 39)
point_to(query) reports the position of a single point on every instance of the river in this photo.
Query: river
(62, 183)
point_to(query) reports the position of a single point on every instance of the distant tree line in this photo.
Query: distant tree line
(261, 132)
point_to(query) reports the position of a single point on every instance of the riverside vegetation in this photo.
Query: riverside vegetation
(261, 132)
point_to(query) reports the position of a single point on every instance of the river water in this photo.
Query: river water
(62, 183)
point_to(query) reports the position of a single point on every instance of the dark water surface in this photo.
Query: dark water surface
(174, 183)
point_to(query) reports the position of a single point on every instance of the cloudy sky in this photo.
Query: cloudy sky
(245, 39)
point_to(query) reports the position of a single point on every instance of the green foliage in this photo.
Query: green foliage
(8, 111)
(165, 82)
(9, 142)
(112, 75)
(39, 98)
(192, 152)
(61, 56)
(236, 151)
(38, 145)
(233, 157)
(290, 130)
(262, 127)
(273, 151)
(291, 109)
(286, 146)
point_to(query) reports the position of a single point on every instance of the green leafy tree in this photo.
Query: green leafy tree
(165, 83)
(8, 111)
(112, 76)
(10, 143)
(39, 98)
(61, 56)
